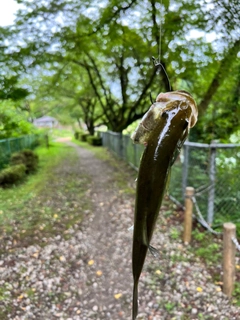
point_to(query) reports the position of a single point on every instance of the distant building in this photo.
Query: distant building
(46, 122)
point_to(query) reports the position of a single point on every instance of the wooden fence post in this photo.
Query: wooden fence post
(188, 215)
(47, 140)
(229, 251)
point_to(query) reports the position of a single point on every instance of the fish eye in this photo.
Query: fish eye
(164, 115)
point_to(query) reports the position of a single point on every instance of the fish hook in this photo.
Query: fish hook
(158, 65)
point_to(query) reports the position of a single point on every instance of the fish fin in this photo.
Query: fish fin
(135, 301)
(154, 251)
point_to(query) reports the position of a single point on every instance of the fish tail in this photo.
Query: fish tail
(135, 301)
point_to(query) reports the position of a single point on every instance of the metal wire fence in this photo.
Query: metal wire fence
(212, 169)
(9, 146)
(123, 147)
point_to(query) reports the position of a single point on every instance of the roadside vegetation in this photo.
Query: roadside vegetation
(48, 202)
(204, 246)
(21, 164)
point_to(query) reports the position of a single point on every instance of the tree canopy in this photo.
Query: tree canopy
(92, 59)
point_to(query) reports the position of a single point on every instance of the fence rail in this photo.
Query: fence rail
(212, 169)
(9, 146)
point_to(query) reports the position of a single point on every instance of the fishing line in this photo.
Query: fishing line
(160, 35)
(157, 63)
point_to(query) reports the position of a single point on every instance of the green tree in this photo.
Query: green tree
(10, 71)
(69, 94)
(13, 123)
(111, 43)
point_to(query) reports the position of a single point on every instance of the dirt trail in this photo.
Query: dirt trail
(107, 241)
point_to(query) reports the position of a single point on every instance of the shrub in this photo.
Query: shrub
(12, 174)
(77, 134)
(31, 160)
(36, 142)
(17, 158)
(94, 141)
(26, 157)
(83, 137)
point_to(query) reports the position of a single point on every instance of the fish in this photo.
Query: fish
(162, 131)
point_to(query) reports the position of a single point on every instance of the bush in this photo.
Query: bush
(17, 158)
(36, 142)
(12, 174)
(77, 135)
(26, 157)
(83, 136)
(31, 160)
(94, 141)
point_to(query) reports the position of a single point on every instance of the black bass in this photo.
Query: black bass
(163, 130)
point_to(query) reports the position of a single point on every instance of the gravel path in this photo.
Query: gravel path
(88, 275)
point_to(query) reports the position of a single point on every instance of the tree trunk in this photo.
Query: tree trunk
(224, 68)
(91, 128)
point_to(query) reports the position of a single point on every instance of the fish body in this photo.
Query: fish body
(163, 130)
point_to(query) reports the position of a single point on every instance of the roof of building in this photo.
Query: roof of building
(45, 119)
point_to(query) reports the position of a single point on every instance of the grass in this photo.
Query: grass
(62, 133)
(204, 246)
(209, 248)
(57, 132)
(49, 201)
(27, 190)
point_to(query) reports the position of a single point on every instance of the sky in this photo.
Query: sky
(7, 10)
(9, 7)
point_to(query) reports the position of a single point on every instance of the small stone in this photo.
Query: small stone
(194, 311)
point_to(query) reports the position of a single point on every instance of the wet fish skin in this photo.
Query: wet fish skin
(163, 103)
(167, 129)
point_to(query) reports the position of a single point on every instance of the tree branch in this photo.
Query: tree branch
(110, 18)
(106, 110)
(123, 75)
(99, 77)
(154, 20)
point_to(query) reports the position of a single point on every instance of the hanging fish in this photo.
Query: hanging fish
(163, 130)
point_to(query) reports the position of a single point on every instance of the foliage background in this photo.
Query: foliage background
(89, 62)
